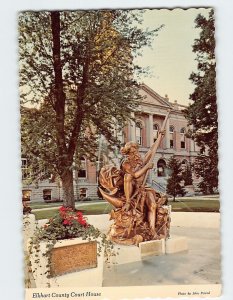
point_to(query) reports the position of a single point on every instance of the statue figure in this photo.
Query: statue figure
(139, 214)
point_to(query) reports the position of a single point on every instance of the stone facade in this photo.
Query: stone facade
(148, 121)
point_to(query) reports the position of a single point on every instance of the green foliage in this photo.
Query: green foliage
(187, 175)
(77, 82)
(174, 187)
(206, 171)
(202, 113)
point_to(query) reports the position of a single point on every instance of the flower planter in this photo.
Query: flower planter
(74, 262)
(29, 227)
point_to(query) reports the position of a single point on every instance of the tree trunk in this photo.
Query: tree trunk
(68, 189)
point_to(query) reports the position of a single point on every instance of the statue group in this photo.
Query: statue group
(140, 213)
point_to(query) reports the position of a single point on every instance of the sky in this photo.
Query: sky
(171, 59)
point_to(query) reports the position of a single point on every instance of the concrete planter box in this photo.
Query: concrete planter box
(29, 227)
(74, 262)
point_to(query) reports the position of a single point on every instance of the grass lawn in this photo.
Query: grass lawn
(195, 205)
(94, 209)
(38, 205)
(189, 205)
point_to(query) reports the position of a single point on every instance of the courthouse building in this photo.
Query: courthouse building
(148, 118)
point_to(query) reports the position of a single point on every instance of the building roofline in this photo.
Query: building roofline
(150, 91)
(163, 100)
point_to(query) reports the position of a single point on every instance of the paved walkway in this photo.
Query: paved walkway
(200, 265)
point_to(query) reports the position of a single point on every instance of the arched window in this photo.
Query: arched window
(161, 167)
(171, 134)
(139, 133)
(155, 132)
(182, 138)
(82, 172)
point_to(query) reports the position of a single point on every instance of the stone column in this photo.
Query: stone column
(132, 129)
(192, 143)
(167, 134)
(150, 139)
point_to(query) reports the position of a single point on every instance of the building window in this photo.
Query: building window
(26, 195)
(82, 193)
(82, 172)
(171, 135)
(182, 138)
(47, 194)
(155, 132)
(24, 168)
(139, 133)
(161, 167)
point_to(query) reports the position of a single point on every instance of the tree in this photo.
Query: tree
(174, 187)
(76, 83)
(187, 175)
(202, 113)
(202, 168)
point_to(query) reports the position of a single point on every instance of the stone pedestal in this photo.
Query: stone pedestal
(125, 255)
(176, 244)
(129, 254)
(152, 248)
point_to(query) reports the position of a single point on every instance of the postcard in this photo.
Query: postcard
(119, 151)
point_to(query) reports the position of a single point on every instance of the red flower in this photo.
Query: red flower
(83, 222)
(62, 208)
(79, 214)
(66, 222)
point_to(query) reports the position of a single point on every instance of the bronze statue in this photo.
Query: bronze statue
(140, 213)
